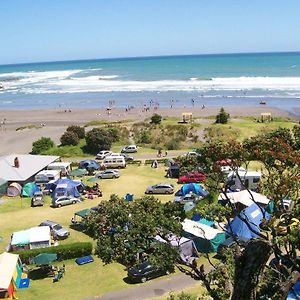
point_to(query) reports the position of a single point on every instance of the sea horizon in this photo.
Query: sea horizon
(208, 79)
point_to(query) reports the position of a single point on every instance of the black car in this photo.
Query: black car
(144, 272)
(127, 157)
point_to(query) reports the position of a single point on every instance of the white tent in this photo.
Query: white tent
(8, 263)
(245, 198)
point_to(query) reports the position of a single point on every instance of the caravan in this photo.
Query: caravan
(64, 167)
(45, 176)
(245, 180)
(114, 162)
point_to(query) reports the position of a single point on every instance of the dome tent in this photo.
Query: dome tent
(14, 189)
(191, 188)
(29, 189)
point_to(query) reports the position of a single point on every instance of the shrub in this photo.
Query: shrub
(114, 134)
(69, 138)
(156, 119)
(97, 139)
(173, 144)
(41, 145)
(222, 117)
(79, 131)
(66, 251)
(145, 137)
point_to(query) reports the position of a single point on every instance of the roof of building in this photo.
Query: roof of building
(31, 235)
(8, 264)
(29, 165)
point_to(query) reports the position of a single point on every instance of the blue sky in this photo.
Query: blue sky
(50, 30)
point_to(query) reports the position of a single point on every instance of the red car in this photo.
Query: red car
(192, 177)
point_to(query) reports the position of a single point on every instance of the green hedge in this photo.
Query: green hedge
(159, 160)
(134, 162)
(67, 251)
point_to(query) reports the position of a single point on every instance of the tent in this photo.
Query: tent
(3, 187)
(64, 187)
(291, 295)
(14, 189)
(29, 189)
(35, 237)
(245, 198)
(206, 238)
(191, 188)
(44, 258)
(253, 216)
(78, 172)
(10, 274)
(186, 247)
(197, 218)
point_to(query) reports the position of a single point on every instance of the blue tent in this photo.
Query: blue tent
(29, 189)
(253, 216)
(296, 288)
(191, 188)
(64, 187)
(89, 164)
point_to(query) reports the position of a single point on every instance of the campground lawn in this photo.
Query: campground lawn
(91, 279)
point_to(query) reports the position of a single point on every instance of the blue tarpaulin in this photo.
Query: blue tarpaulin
(296, 289)
(253, 216)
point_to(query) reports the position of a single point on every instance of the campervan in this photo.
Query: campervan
(245, 180)
(114, 162)
(64, 167)
(45, 176)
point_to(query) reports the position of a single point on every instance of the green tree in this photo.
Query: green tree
(98, 139)
(114, 134)
(41, 145)
(69, 138)
(125, 229)
(156, 119)
(78, 130)
(222, 117)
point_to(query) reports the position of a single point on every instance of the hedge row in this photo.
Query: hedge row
(159, 160)
(67, 251)
(134, 162)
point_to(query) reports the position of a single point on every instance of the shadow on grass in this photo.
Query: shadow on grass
(39, 273)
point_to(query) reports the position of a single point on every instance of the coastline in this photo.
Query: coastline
(53, 122)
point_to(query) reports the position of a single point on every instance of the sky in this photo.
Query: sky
(53, 30)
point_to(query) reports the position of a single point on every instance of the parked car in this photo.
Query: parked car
(192, 154)
(192, 177)
(160, 188)
(102, 154)
(127, 157)
(37, 199)
(65, 200)
(56, 229)
(187, 198)
(108, 174)
(129, 149)
(144, 272)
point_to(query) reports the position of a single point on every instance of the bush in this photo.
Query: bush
(69, 138)
(114, 134)
(222, 117)
(156, 119)
(41, 145)
(97, 139)
(67, 251)
(145, 137)
(173, 144)
(79, 131)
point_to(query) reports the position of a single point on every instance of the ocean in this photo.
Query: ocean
(223, 79)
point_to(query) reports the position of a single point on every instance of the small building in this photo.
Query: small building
(22, 168)
(10, 275)
(265, 117)
(187, 117)
(35, 237)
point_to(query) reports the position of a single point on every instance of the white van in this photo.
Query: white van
(45, 176)
(114, 162)
(249, 180)
(64, 167)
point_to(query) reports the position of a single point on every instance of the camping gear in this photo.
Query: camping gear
(129, 197)
(194, 188)
(24, 283)
(14, 189)
(206, 238)
(59, 274)
(37, 199)
(78, 172)
(29, 189)
(246, 223)
(173, 171)
(84, 260)
(189, 206)
(44, 258)
(3, 186)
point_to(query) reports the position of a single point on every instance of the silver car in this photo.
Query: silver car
(56, 229)
(65, 200)
(102, 154)
(160, 188)
(108, 174)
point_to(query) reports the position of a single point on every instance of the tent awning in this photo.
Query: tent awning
(8, 264)
(83, 213)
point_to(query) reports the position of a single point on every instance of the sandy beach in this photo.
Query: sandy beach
(55, 121)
